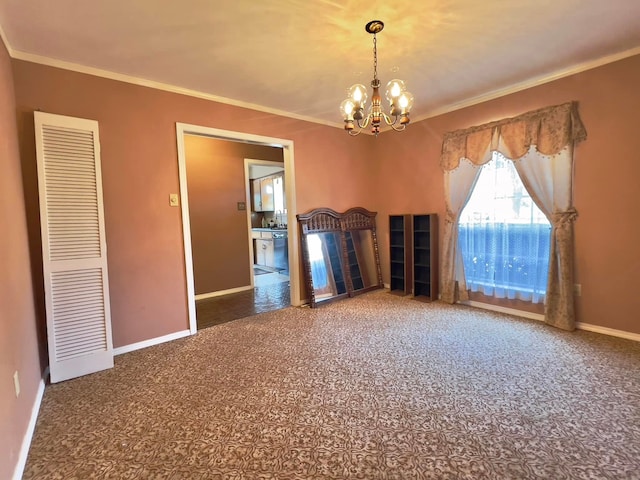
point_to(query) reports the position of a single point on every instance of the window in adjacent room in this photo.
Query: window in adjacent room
(504, 237)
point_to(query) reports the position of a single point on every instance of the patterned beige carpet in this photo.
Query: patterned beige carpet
(376, 387)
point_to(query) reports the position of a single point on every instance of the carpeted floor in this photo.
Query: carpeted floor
(375, 387)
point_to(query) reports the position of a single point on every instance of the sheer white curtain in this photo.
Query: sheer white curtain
(543, 141)
(504, 237)
(458, 185)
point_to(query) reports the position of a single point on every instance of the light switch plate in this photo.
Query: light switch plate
(16, 383)
(174, 200)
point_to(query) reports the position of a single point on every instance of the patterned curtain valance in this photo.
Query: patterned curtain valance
(550, 129)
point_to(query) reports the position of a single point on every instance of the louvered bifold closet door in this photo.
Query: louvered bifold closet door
(73, 246)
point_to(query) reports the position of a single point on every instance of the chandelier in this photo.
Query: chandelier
(400, 100)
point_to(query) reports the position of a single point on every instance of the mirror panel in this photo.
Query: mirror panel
(340, 253)
(359, 226)
(325, 259)
(322, 255)
(362, 261)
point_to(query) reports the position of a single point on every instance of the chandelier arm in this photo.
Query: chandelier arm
(364, 124)
(392, 124)
(400, 128)
(387, 119)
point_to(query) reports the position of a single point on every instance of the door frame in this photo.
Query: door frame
(183, 129)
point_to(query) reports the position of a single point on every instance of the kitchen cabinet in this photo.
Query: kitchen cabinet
(263, 248)
(266, 191)
(256, 195)
(269, 194)
(263, 194)
(279, 196)
(264, 253)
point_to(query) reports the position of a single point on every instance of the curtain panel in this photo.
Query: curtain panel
(540, 143)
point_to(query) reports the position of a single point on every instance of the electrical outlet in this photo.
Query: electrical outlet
(16, 383)
(577, 289)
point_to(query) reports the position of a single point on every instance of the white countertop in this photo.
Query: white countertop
(266, 229)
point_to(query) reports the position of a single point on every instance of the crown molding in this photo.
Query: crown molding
(517, 87)
(5, 40)
(530, 83)
(75, 67)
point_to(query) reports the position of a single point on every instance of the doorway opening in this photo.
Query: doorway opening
(290, 222)
(267, 222)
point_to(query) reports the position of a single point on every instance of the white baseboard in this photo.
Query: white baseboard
(536, 316)
(151, 342)
(219, 293)
(608, 331)
(510, 311)
(31, 427)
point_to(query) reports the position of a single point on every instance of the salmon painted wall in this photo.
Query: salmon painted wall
(607, 171)
(140, 169)
(219, 231)
(18, 333)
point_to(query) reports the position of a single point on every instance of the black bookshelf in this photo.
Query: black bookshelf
(400, 254)
(425, 240)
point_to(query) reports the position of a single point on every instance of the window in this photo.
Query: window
(504, 237)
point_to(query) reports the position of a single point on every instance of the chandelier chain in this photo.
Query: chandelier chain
(375, 57)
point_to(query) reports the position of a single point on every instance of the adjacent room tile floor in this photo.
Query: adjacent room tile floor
(271, 292)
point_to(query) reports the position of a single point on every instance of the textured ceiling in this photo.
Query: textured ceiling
(300, 56)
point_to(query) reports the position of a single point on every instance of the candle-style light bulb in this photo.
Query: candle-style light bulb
(358, 93)
(405, 101)
(347, 107)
